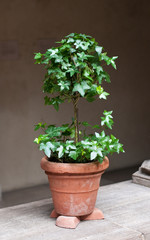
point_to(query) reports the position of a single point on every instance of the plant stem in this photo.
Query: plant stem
(76, 124)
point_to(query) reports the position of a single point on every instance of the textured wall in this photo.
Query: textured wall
(121, 27)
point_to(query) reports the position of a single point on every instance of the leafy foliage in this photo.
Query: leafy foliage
(57, 142)
(74, 70)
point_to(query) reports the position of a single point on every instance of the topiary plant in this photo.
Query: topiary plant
(74, 70)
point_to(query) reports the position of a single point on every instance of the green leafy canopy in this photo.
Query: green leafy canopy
(74, 67)
(74, 70)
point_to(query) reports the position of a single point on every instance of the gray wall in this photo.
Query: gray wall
(25, 26)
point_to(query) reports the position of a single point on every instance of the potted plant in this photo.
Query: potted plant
(74, 158)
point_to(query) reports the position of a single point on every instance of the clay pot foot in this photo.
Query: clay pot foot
(95, 215)
(54, 214)
(67, 222)
(72, 222)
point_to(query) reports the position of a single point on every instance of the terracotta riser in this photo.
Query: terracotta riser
(73, 221)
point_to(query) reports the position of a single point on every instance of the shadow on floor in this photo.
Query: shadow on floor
(40, 192)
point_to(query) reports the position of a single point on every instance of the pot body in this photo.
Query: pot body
(74, 187)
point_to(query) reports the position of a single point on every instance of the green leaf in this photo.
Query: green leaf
(47, 100)
(53, 131)
(36, 141)
(72, 71)
(73, 155)
(87, 74)
(42, 146)
(70, 35)
(51, 146)
(85, 86)
(53, 101)
(64, 85)
(60, 151)
(81, 44)
(38, 56)
(39, 125)
(70, 40)
(107, 119)
(99, 90)
(47, 151)
(104, 95)
(36, 127)
(93, 155)
(96, 126)
(79, 88)
(99, 152)
(98, 49)
(97, 135)
(85, 124)
(113, 62)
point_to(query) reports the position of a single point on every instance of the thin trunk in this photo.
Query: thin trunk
(76, 120)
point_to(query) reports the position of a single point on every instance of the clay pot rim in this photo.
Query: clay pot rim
(74, 168)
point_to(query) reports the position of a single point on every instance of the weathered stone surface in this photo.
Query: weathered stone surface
(125, 206)
(145, 167)
(142, 176)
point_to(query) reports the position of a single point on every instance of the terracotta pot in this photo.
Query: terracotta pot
(74, 186)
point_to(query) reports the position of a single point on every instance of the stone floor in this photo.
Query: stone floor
(126, 207)
(41, 192)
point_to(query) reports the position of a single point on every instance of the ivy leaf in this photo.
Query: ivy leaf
(46, 149)
(47, 100)
(41, 138)
(82, 56)
(52, 51)
(96, 126)
(64, 85)
(60, 151)
(98, 49)
(53, 101)
(85, 85)
(113, 62)
(97, 135)
(39, 125)
(86, 124)
(99, 90)
(36, 141)
(72, 71)
(73, 155)
(36, 127)
(70, 40)
(104, 95)
(81, 88)
(70, 35)
(106, 77)
(93, 155)
(107, 119)
(87, 74)
(51, 146)
(38, 56)
(99, 152)
(53, 131)
(81, 44)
